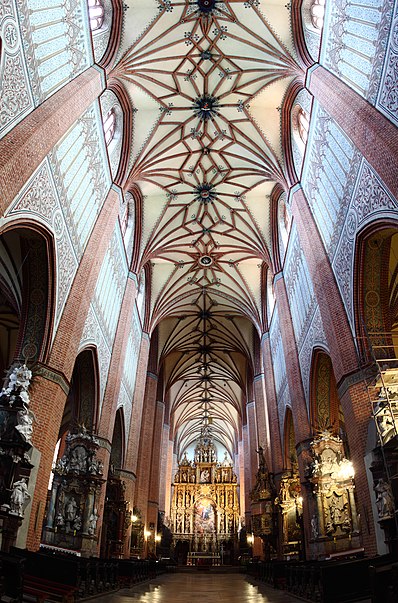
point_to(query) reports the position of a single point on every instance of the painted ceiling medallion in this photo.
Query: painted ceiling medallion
(205, 193)
(205, 55)
(206, 260)
(206, 107)
(207, 6)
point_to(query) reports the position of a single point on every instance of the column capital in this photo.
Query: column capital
(50, 374)
(310, 71)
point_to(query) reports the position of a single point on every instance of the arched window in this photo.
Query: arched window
(303, 124)
(317, 12)
(284, 224)
(96, 14)
(270, 295)
(300, 126)
(109, 124)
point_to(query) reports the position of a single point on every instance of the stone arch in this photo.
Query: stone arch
(105, 19)
(376, 293)
(115, 103)
(325, 407)
(311, 18)
(118, 441)
(81, 406)
(289, 441)
(297, 102)
(27, 298)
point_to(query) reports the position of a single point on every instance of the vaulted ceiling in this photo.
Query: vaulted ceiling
(207, 79)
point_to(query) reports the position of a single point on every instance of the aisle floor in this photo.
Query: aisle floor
(199, 588)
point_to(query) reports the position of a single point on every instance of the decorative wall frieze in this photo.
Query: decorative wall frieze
(69, 27)
(16, 98)
(93, 335)
(39, 200)
(387, 101)
(52, 375)
(347, 27)
(370, 200)
(314, 337)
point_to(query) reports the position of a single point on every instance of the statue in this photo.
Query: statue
(314, 527)
(78, 459)
(59, 521)
(77, 524)
(205, 476)
(384, 499)
(262, 462)
(180, 499)
(25, 420)
(70, 509)
(19, 495)
(92, 522)
(230, 498)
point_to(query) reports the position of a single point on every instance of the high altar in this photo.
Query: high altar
(205, 504)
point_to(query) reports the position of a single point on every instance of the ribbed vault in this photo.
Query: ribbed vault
(207, 80)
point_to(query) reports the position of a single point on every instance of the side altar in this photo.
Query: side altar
(205, 503)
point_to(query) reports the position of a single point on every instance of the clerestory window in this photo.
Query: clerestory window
(96, 14)
(109, 124)
(317, 11)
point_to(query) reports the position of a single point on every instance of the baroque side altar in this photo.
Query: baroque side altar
(205, 503)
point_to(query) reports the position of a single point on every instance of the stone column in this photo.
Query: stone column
(145, 446)
(131, 461)
(272, 407)
(252, 442)
(261, 414)
(154, 483)
(299, 407)
(48, 395)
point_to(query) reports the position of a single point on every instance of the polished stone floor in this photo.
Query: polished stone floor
(199, 587)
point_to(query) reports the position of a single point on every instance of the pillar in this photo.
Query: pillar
(145, 446)
(252, 442)
(277, 461)
(154, 483)
(299, 407)
(111, 395)
(131, 461)
(50, 390)
(262, 416)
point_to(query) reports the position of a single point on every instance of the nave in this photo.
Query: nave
(189, 587)
(184, 587)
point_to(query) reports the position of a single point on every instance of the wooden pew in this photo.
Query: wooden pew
(41, 590)
(12, 574)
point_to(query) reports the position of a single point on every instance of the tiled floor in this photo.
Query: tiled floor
(199, 588)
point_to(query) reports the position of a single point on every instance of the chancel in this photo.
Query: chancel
(199, 298)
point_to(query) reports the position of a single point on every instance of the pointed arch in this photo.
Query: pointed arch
(124, 121)
(289, 441)
(325, 407)
(82, 402)
(118, 441)
(27, 293)
(376, 292)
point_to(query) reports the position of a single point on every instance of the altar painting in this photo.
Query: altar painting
(204, 517)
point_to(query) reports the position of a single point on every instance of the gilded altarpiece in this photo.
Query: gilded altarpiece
(290, 505)
(205, 503)
(263, 514)
(334, 522)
